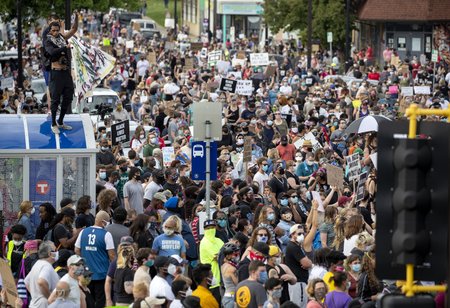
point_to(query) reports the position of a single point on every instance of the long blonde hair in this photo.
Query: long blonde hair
(24, 207)
(125, 257)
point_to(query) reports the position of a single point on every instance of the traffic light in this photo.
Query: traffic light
(412, 201)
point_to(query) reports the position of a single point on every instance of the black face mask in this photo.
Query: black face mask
(137, 177)
(281, 171)
(124, 168)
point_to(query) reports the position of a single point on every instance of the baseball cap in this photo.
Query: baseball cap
(150, 302)
(284, 138)
(160, 196)
(343, 200)
(67, 211)
(176, 260)
(294, 228)
(307, 143)
(273, 250)
(161, 261)
(75, 260)
(209, 223)
(126, 240)
(262, 248)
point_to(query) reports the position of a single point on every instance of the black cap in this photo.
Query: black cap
(209, 223)
(68, 211)
(161, 261)
(261, 247)
(66, 201)
(191, 302)
(284, 138)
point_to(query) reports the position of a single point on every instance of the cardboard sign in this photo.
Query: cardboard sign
(354, 166)
(223, 66)
(214, 57)
(8, 282)
(196, 46)
(241, 55)
(168, 154)
(189, 63)
(120, 132)
(259, 59)
(7, 83)
(270, 71)
(309, 136)
(129, 44)
(425, 90)
(228, 85)
(335, 176)
(236, 62)
(151, 57)
(407, 91)
(244, 87)
(247, 149)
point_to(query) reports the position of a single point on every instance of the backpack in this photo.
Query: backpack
(317, 242)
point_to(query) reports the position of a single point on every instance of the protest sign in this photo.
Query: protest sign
(247, 149)
(316, 196)
(7, 83)
(270, 71)
(259, 59)
(362, 179)
(196, 46)
(8, 282)
(189, 63)
(241, 54)
(236, 62)
(393, 89)
(151, 57)
(120, 132)
(335, 176)
(214, 57)
(237, 75)
(407, 91)
(354, 166)
(228, 85)
(204, 53)
(129, 44)
(90, 64)
(168, 154)
(222, 66)
(309, 136)
(425, 90)
(244, 87)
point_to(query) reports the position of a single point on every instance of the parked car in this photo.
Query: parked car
(147, 28)
(100, 101)
(126, 17)
(39, 87)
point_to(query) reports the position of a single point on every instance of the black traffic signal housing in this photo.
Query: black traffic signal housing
(412, 201)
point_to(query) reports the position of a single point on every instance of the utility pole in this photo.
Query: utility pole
(347, 30)
(175, 18)
(19, 44)
(309, 33)
(67, 16)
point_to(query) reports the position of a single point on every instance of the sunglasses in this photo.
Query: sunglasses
(262, 234)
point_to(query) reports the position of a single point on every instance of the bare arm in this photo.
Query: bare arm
(127, 204)
(108, 283)
(323, 239)
(52, 297)
(74, 28)
(111, 254)
(289, 276)
(327, 201)
(306, 263)
(43, 286)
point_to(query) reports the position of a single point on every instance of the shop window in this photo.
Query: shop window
(76, 177)
(11, 188)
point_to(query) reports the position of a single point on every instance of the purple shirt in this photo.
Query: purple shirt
(337, 299)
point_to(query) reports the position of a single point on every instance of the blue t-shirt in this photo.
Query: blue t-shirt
(306, 170)
(169, 245)
(93, 250)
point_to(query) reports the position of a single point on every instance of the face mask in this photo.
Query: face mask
(287, 217)
(182, 294)
(295, 130)
(270, 123)
(172, 269)
(356, 268)
(284, 202)
(210, 233)
(104, 149)
(222, 223)
(33, 210)
(102, 175)
(149, 263)
(262, 277)
(240, 142)
(253, 122)
(116, 183)
(298, 158)
(309, 74)
(55, 255)
(265, 168)
(79, 271)
(271, 217)
(300, 238)
(319, 294)
(124, 168)
(262, 238)
(17, 243)
(154, 140)
(168, 232)
(254, 256)
(211, 281)
(277, 293)
(277, 261)
(187, 173)
(309, 162)
(294, 200)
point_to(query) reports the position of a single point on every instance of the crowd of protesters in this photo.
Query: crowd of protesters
(279, 234)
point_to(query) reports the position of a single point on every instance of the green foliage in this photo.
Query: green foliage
(289, 15)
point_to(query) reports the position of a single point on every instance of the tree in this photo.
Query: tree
(328, 16)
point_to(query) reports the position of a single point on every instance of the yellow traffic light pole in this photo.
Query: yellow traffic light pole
(412, 112)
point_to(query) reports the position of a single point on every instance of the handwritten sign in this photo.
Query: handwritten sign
(247, 149)
(168, 155)
(8, 282)
(129, 44)
(7, 83)
(196, 46)
(214, 57)
(244, 87)
(189, 63)
(228, 85)
(259, 59)
(271, 70)
(335, 176)
(407, 91)
(309, 136)
(316, 196)
(236, 62)
(354, 166)
(151, 57)
(241, 54)
(424, 90)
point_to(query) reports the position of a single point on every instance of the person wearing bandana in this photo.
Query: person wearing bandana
(61, 83)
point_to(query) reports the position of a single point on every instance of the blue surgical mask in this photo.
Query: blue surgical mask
(265, 168)
(271, 217)
(356, 268)
(277, 293)
(102, 175)
(262, 238)
(263, 277)
(284, 202)
(222, 223)
(294, 200)
(187, 173)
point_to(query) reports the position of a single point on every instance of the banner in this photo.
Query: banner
(90, 64)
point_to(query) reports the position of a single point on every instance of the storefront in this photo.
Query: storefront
(39, 166)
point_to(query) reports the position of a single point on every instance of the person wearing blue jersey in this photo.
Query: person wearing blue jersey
(96, 246)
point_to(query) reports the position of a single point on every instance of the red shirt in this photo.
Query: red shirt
(374, 76)
(286, 152)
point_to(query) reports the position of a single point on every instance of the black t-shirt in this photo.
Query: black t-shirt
(84, 221)
(174, 188)
(278, 186)
(105, 158)
(120, 277)
(366, 215)
(294, 253)
(243, 269)
(60, 232)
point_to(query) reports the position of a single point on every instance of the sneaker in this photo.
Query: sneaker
(55, 129)
(65, 127)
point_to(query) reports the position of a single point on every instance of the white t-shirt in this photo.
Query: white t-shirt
(74, 295)
(151, 189)
(142, 66)
(349, 244)
(42, 269)
(142, 275)
(176, 304)
(159, 287)
(262, 179)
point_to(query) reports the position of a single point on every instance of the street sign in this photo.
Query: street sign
(198, 154)
(207, 111)
(434, 55)
(329, 37)
(120, 132)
